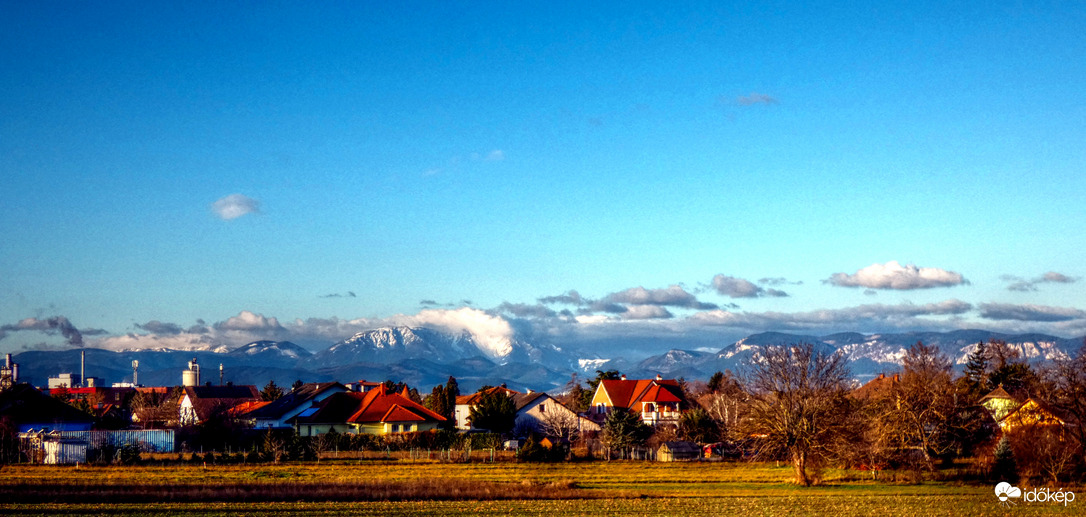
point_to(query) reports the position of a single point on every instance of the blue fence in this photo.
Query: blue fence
(149, 440)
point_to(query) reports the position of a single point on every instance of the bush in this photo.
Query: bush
(254, 457)
(130, 454)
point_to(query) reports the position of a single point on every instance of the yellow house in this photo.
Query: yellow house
(999, 403)
(1031, 413)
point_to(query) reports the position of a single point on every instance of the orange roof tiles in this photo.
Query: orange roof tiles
(472, 399)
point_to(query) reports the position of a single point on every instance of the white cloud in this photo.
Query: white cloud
(496, 155)
(646, 312)
(493, 333)
(892, 275)
(234, 206)
(247, 321)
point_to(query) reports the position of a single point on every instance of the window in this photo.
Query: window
(542, 408)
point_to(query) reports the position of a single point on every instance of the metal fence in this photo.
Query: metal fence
(148, 440)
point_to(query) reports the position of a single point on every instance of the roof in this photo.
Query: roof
(380, 406)
(525, 399)
(297, 397)
(689, 447)
(228, 391)
(629, 393)
(1036, 407)
(471, 400)
(206, 400)
(24, 404)
(998, 393)
(374, 406)
(247, 407)
(875, 388)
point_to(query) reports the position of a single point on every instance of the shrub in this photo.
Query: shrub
(130, 454)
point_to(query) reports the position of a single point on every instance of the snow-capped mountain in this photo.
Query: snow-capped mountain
(389, 345)
(271, 352)
(427, 357)
(868, 354)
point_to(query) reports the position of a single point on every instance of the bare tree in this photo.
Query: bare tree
(920, 411)
(274, 446)
(560, 423)
(156, 409)
(798, 404)
(1068, 378)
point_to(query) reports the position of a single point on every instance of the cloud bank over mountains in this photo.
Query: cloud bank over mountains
(675, 315)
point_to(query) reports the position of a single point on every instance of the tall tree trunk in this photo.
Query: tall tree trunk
(799, 464)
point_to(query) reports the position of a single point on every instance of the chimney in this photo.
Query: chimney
(895, 377)
(882, 375)
(623, 377)
(659, 378)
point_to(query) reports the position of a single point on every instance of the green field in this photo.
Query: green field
(504, 488)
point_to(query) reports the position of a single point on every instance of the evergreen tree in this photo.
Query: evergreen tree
(697, 426)
(271, 391)
(716, 382)
(494, 412)
(575, 398)
(976, 371)
(624, 429)
(442, 400)
(1004, 467)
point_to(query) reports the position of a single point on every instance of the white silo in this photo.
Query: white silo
(191, 377)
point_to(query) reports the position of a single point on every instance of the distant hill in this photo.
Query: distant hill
(425, 357)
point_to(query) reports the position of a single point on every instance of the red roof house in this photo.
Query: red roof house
(656, 399)
(374, 412)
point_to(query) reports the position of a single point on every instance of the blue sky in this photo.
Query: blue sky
(213, 173)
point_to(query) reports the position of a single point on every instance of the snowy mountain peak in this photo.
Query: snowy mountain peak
(285, 349)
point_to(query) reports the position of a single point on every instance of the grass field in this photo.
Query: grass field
(433, 488)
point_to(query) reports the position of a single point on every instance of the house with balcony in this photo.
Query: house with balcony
(657, 400)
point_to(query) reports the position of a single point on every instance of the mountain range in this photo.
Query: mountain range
(424, 357)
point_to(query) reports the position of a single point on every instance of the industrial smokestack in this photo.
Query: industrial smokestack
(220, 374)
(82, 368)
(135, 372)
